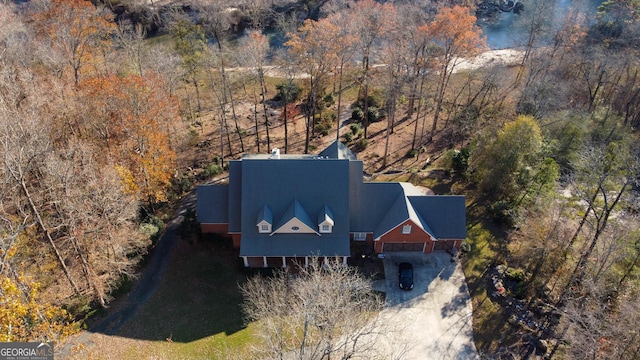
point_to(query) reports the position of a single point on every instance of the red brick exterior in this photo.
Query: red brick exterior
(417, 235)
(236, 240)
(221, 229)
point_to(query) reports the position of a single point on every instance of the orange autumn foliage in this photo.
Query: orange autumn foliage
(79, 31)
(129, 118)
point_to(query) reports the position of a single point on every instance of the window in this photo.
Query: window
(360, 236)
(325, 228)
(295, 228)
(406, 229)
(265, 228)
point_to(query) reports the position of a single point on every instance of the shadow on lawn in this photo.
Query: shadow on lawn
(197, 296)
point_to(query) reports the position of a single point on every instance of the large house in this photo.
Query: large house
(283, 209)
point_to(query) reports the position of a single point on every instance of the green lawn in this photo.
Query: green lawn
(195, 312)
(489, 319)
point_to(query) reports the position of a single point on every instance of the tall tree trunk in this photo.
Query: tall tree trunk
(442, 87)
(44, 228)
(255, 118)
(340, 72)
(578, 274)
(366, 96)
(415, 129)
(310, 113)
(263, 90)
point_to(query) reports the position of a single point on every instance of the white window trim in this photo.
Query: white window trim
(325, 228)
(406, 229)
(264, 228)
(360, 236)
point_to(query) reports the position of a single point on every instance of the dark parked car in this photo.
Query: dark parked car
(406, 276)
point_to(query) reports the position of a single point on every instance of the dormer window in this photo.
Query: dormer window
(265, 220)
(325, 220)
(406, 229)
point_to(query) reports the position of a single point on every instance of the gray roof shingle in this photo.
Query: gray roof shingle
(311, 189)
(212, 206)
(445, 214)
(313, 183)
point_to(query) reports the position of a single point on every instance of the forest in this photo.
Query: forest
(111, 111)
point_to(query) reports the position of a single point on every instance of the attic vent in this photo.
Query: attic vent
(275, 153)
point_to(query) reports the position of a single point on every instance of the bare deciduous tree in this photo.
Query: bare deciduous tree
(326, 310)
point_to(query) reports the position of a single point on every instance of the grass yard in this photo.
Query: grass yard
(194, 314)
(489, 318)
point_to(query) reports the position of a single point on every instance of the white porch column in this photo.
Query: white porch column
(344, 261)
(246, 261)
(264, 261)
(284, 262)
(306, 261)
(324, 262)
(433, 245)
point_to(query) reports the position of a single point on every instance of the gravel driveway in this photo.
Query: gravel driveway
(432, 321)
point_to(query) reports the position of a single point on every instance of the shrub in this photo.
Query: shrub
(412, 153)
(329, 99)
(374, 114)
(376, 99)
(357, 114)
(460, 161)
(356, 128)
(362, 144)
(348, 137)
(515, 274)
(211, 170)
(184, 184)
(322, 129)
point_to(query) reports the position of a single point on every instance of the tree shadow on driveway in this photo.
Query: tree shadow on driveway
(436, 315)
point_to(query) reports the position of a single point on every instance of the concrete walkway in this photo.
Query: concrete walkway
(432, 321)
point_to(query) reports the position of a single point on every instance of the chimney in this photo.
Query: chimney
(275, 153)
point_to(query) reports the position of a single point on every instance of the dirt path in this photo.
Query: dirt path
(143, 288)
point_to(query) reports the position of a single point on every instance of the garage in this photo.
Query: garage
(445, 245)
(391, 246)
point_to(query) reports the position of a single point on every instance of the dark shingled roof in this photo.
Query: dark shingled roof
(338, 150)
(310, 188)
(313, 183)
(445, 214)
(235, 195)
(212, 206)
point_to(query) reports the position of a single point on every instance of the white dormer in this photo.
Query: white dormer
(265, 220)
(325, 220)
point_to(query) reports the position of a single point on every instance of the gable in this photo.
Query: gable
(295, 221)
(294, 226)
(416, 233)
(338, 150)
(326, 217)
(400, 212)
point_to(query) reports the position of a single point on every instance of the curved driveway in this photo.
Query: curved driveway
(432, 321)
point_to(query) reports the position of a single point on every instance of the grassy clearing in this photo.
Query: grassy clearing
(489, 319)
(194, 314)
